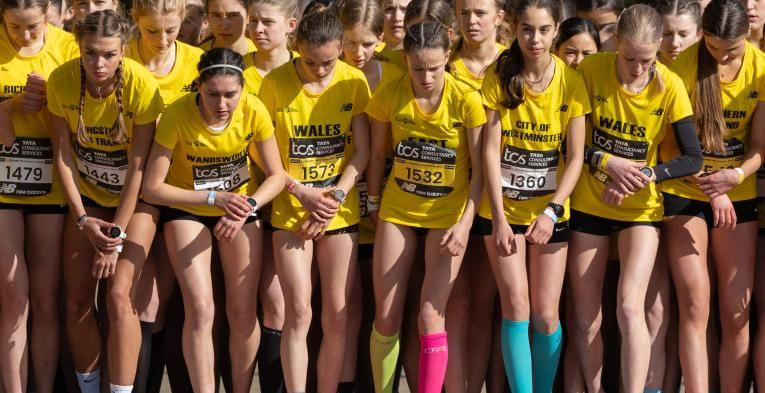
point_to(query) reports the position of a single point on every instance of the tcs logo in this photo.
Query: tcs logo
(407, 151)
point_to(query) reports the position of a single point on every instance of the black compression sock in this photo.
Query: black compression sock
(346, 387)
(144, 358)
(270, 361)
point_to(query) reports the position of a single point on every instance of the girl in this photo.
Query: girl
(435, 139)
(756, 15)
(577, 38)
(81, 8)
(315, 102)
(471, 308)
(228, 20)
(681, 19)
(524, 215)
(271, 25)
(31, 199)
(724, 75)
(633, 101)
(58, 13)
(602, 13)
(201, 169)
(393, 23)
(173, 64)
(104, 109)
(194, 29)
(363, 28)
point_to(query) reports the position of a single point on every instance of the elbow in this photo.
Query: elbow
(149, 193)
(696, 160)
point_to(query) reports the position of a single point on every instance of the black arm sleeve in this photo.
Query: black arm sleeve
(690, 159)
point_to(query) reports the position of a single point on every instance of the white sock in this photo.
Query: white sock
(120, 389)
(89, 382)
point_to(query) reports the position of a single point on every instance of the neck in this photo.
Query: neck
(484, 52)
(267, 60)
(429, 95)
(635, 86)
(536, 67)
(151, 59)
(100, 91)
(391, 44)
(756, 35)
(240, 45)
(306, 79)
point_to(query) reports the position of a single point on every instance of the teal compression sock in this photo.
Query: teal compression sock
(545, 355)
(516, 354)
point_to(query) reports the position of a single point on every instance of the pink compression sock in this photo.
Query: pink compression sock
(434, 354)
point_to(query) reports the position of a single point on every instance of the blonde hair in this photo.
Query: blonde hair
(641, 24)
(158, 7)
(103, 24)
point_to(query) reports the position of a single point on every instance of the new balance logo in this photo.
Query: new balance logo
(3, 69)
(347, 107)
(563, 108)
(286, 109)
(600, 98)
(457, 124)
(404, 120)
(753, 94)
(189, 88)
(657, 112)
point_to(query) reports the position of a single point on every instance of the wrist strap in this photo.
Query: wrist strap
(374, 199)
(291, 187)
(551, 214)
(372, 206)
(81, 222)
(603, 162)
(211, 198)
(741, 175)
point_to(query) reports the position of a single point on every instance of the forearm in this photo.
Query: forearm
(67, 173)
(569, 179)
(7, 133)
(375, 172)
(690, 159)
(269, 189)
(353, 171)
(128, 198)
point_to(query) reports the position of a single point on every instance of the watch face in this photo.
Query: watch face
(646, 171)
(115, 232)
(252, 202)
(339, 195)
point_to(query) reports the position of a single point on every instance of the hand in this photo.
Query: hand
(626, 174)
(504, 238)
(312, 229)
(724, 213)
(612, 195)
(34, 96)
(227, 227)
(540, 231)
(95, 231)
(454, 241)
(318, 202)
(235, 205)
(104, 264)
(718, 182)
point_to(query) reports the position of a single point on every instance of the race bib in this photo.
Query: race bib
(424, 169)
(731, 158)
(225, 176)
(104, 169)
(528, 174)
(624, 148)
(26, 167)
(317, 162)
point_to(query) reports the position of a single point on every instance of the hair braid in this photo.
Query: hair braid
(82, 137)
(119, 130)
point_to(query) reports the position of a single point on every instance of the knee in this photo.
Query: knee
(14, 301)
(273, 312)
(77, 307)
(545, 321)
(656, 318)
(431, 318)
(588, 327)
(120, 304)
(736, 319)
(45, 311)
(242, 320)
(630, 315)
(200, 314)
(696, 312)
(516, 308)
(299, 316)
(334, 323)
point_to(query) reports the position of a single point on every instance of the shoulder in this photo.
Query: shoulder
(687, 60)
(65, 72)
(137, 75)
(63, 40)
(178, 111)
(596, 61)
(186, 51)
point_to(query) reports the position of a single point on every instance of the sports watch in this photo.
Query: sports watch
(254, 205)
(338, 195)
(559, 210)
(116, 232)
(648, 172)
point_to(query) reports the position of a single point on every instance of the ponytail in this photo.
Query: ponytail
(509, 69)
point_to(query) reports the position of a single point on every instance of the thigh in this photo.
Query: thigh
(140, 231)
(337, 258)
(44, 263)
(241, 259)
(394, 253)
(586, 267)
(189, 246)
(637, 253)
(440, 271)
(77, 257)
(685, 240)
(547, 270)
(734, 255)
(510, 273)
(293, 257)
(13, 271)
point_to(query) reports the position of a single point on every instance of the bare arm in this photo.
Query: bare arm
(358, 163)
(140, 144)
